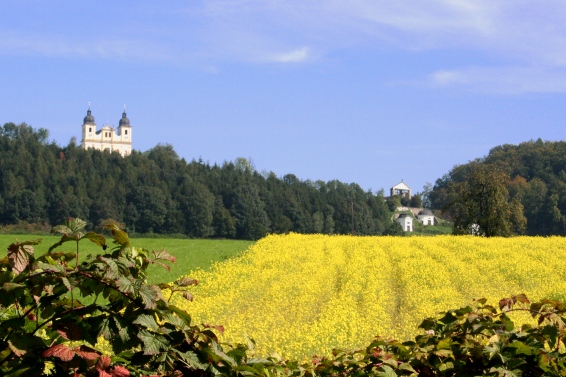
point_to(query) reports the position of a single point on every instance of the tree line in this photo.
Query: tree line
(158, 192)
(514, 189)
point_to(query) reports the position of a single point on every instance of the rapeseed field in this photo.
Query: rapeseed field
(302, 295)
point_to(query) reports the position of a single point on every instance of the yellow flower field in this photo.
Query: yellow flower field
(300, 295)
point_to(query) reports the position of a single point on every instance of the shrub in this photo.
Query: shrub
(57, 315)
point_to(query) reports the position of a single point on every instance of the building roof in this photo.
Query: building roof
(426, 212)
(89, 119)
(124, 121)
(401, 186)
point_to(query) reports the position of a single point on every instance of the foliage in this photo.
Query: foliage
(537, 171)
(470, 341)
(318, 292)
(481, 205)
(157, 192)
(394, 229)
(59, 316)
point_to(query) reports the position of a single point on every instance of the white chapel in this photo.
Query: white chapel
(107, 138)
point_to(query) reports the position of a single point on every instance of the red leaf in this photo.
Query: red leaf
(188, 296)
(70, 331)
(61, 351)
(119, 371)
(219, 328)
(86, 353)
(18, 255)
(162, 254)
(103, 362)
(186, 281)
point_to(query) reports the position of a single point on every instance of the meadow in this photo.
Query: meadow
(300, 295)
(191, 254)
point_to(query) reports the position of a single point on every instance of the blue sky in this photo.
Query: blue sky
(364, 91)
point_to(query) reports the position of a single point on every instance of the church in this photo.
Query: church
(107, 138)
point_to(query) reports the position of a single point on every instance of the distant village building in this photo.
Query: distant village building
(406, 222)
(426, 217)
(401, 189)
(107, 138)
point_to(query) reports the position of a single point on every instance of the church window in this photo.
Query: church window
(126, 132)
(90, 129)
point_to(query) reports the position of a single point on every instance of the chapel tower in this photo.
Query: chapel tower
(107, 139)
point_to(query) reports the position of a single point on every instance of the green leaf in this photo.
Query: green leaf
(120, 237)
(75, 224)
(147, 320)
(181, 314)
(96, 238)
(11, 286)
(149, 296)
(175, 320)
(67, 283)
(57, 268)
(124, 285)
(153, 343)
(123, 327)
(386, 371)
(509, 325)
(61, 229)
(113, 272)
(103, 327)
(192, 361)
(444, 344)
(217, 350)
(64, 238)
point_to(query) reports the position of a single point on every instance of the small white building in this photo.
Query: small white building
(406, 222)
(426, 217)
(401, 189)
(107, 138)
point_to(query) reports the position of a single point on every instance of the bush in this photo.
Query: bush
(59, 315)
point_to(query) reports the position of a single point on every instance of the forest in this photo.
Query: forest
(535, 177)
(157, 192)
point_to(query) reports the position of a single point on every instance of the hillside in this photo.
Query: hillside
(537, 172)
(157, 192)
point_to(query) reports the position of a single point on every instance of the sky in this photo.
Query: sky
(363, 91)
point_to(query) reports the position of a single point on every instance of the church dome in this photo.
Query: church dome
(124, 121)
(89, 118)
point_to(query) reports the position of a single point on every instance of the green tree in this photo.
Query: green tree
(151, 209)
(248, 211)
(393, 202)
(416, 201)
(393, 229)
(482, 203)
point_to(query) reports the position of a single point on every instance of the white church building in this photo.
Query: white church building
(107, 138)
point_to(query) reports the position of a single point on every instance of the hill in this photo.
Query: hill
(158, 192)
(537, 172)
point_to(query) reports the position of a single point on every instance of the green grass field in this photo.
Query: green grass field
(190, 253)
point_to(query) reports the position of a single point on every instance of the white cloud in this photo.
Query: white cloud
(502, 80)
(295, 56)
(520, 33)
(68, 47)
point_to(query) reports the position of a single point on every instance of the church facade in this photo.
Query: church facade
(107, 138)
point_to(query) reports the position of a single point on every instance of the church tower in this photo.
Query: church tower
(106, 139)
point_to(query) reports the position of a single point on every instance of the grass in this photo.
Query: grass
(190, 253)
